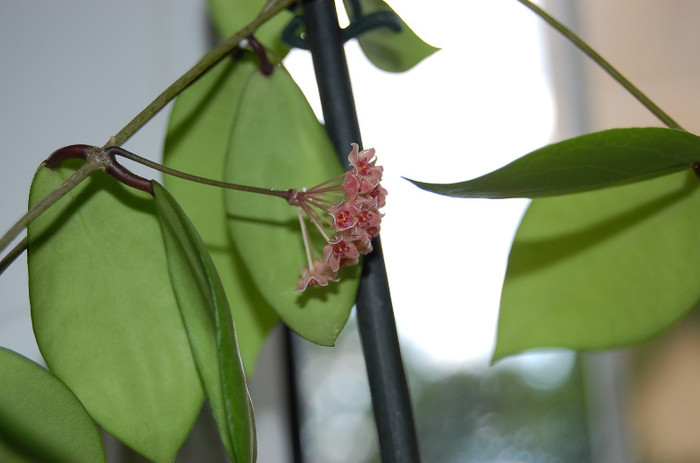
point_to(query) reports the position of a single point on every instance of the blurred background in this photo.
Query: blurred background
(503, 84)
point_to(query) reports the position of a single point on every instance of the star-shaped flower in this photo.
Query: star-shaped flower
(364, 175)
(319, 274)
(339, 252)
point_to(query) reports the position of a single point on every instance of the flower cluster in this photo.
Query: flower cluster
(347, 225)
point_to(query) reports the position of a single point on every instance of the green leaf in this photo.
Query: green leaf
(387, 49)
(230, 16)
(210, 329)
(597, 160)
(278, 143)
(602, 269)
(197, 142)
(41, 420)
(104, 313)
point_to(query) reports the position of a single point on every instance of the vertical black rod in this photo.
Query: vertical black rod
(325, 41)
(387, 380)
(293, 396)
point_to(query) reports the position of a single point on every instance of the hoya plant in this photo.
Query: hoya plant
(144, 295)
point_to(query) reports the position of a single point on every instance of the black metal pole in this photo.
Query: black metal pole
(387, 380)
(293, 396)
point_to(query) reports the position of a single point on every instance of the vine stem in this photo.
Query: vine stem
(211, 58)
(194, 178)
(604, 64)
(90, 166)
(13, 254)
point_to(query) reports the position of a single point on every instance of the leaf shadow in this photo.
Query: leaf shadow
(291, 224)
(531, 255)
(317, 293)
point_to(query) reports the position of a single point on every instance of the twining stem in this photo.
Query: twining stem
(211, 58)
(600, 61)
(90, 166)
(13, 254)
(194, 178)
(265, 65)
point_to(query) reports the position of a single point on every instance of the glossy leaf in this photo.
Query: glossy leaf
(387, 49)
(230, 16)
(602, 269)
(210, 329)
(597, 160)
(41, 420)
(104, 313)
(278, 143)
(197, 142)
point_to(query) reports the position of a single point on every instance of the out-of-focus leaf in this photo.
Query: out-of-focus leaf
(41, 420)
(387, 49)
(230, 16)
(602, 269)
(197, 142)
(597, 160)
(104, 313)
(278, 143)
(207, 317)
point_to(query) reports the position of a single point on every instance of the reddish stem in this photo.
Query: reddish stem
(67, 152)
(265, 65)
(129, 178)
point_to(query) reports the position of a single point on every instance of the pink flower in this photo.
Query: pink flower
(367, 218)
(340, 252)
(363, 242)
(344, 215)
(319, 274)
(363, 162)
(364, 176)
(379, 193)
(367, 227)
(351, 184)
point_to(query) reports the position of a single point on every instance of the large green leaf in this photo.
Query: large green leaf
(387, 49)
(230, 16)
(207, 317)
(41, 420)
(197, 142)
(104, 313)
(602, 269)
(597, 160)
(278, 143)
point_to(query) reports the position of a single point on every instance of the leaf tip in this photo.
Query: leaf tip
(437, 188)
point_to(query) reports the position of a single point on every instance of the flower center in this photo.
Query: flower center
(363, 168)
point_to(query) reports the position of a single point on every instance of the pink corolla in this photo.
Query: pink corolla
(346, 215)
(317, 274)
(364, 175)
(339, 252)
(379, 193)
(363, 164)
